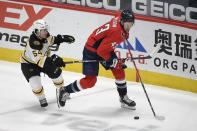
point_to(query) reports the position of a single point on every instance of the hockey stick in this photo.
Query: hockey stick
(149, 56)
(80, 61)
(133, 58)
(87, 61)
(138, 74)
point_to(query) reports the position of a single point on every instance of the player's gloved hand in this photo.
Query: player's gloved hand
(58, 61)
(58, 39)
(117, 64)
(111, 62)
(64, 38)
(68, 38)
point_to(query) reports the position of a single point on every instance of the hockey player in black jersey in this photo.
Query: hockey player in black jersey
(36, 58)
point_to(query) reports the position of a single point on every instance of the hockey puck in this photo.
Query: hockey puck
(136, 117)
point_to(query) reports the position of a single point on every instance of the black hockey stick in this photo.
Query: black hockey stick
(80, 61)
(87, 61)
(149, 56)
(138, 74)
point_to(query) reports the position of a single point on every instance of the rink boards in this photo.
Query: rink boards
(174, 67)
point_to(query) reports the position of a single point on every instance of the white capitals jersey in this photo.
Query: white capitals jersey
(36, 56)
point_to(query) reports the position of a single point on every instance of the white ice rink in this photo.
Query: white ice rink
(96, 109)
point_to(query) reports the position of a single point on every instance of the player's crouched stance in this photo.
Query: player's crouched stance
(100, 46)
(36, 58)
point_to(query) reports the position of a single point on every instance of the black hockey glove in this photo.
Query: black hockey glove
(68, 38)
(58, 39)
(58, 61)
(64, 38)
(111, 62)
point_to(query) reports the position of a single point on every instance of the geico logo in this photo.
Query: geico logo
(14, 38)
(144, 7)
(99, 4)
(7, 18)
(164, 10)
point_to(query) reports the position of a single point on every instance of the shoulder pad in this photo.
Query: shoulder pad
(35, 42)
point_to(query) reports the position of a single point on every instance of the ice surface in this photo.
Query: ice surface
(95, 109)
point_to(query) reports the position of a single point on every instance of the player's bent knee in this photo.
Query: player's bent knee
(35, 82)
(88, 82)
(119, 74)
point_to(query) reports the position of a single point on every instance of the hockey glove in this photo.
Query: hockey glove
(58, 61)
(58, 39)
(69, 39)
(111, 62)
(64, 38)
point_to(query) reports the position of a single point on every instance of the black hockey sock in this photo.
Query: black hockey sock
(122, 89)
(72, 88)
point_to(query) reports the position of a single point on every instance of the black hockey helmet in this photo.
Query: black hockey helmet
(127, 16)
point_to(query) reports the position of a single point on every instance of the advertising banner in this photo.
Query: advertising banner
(177, 56)
(178, 53)
(185, 10)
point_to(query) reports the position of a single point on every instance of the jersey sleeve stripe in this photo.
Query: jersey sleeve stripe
(51, 38)
(41, 62)
(38, 59)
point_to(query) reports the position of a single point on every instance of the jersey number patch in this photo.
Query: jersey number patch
(102, 29)
(35, 53)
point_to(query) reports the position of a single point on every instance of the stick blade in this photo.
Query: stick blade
(161, 118)
(153, 53)
(148, 57)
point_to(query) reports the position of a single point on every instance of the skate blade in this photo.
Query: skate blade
(128, 107)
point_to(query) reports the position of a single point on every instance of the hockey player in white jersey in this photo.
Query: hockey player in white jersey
(36, 58)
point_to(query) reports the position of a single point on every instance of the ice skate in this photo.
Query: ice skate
(62, 96)
(43, 102)
(127, 103)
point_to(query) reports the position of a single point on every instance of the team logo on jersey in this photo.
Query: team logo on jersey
(114, 45)
(138, 45)
(36, 43)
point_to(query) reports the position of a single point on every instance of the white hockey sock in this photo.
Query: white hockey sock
(38, 90)
(58, 82)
